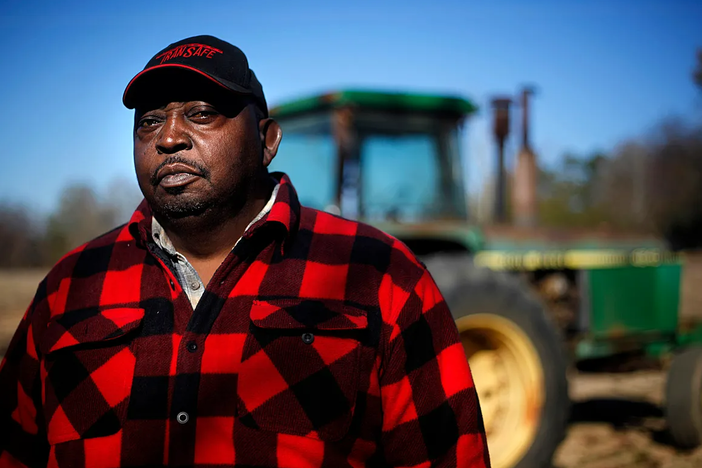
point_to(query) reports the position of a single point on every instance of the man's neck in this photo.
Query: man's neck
(212, 235)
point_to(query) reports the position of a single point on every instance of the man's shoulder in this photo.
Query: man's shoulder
(367, 243)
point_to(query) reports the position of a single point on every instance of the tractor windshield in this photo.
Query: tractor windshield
(410, 170)
(401, 167)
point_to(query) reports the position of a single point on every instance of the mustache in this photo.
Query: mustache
(204, 172)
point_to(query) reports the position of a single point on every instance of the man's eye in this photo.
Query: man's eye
(147, 122)
(203, 115)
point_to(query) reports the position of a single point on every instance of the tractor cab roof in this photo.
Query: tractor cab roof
(378, 100)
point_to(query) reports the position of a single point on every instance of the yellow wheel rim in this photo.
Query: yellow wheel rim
(510, 383)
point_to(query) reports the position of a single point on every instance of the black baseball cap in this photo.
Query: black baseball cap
(207, 56)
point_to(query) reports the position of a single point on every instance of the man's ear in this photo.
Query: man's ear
(271, 134)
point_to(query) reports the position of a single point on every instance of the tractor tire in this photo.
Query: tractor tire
(683, 395)
(517, 359)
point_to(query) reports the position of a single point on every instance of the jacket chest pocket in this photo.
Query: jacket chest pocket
(300, 367)
(87, 372)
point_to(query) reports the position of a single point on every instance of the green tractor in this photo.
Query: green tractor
(528, 303)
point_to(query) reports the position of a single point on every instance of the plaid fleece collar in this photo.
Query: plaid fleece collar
(285, 213)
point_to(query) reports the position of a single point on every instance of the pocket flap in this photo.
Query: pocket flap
(89, 326)
(301, 313)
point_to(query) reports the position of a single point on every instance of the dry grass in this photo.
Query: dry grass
(17, 288)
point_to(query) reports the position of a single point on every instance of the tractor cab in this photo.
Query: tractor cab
(383, 158)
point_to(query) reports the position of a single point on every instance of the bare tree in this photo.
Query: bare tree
(570, 195)
(121, 197)
(622, 186)
(20, 238)
(675, 184)
(80, 217)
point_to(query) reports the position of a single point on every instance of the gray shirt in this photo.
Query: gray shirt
(187, 276)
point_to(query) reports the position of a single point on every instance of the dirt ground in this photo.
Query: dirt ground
(617, 420)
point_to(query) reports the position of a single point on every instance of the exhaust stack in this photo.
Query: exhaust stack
(524, 189)
(500, 130)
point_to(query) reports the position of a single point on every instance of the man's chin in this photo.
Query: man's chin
(179, 209)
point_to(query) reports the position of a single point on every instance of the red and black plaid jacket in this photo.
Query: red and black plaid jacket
(319, 342)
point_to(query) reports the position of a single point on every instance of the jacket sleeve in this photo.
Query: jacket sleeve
(431, 412)
(23, 441)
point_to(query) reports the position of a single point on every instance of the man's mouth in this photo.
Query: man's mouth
(176, 175)
(178, 180)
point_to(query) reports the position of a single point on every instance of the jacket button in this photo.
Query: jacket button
(307, 338)
(192, 346)
(182, 417)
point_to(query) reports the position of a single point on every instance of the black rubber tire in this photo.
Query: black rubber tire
(470, 290)
(683, 395)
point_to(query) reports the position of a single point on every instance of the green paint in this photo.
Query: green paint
(659, 350)
(630, 301)
(407, 102)
(588, 349)
(591, 242)
(691, 336)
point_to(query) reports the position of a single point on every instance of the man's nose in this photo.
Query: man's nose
(173, 136)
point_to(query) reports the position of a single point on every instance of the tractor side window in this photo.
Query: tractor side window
(307, 154)
(400, 176)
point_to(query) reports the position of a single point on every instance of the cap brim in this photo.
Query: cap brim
(139, 87)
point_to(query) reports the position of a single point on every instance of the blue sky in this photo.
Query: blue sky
(606, 70)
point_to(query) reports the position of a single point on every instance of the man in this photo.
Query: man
(225, 324)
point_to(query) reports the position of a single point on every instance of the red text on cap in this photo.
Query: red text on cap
(189, 50)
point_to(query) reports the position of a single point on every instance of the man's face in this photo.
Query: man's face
(191, 155)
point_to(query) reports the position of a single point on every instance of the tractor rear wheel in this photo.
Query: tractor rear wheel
(683, 394)
(516, 357)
